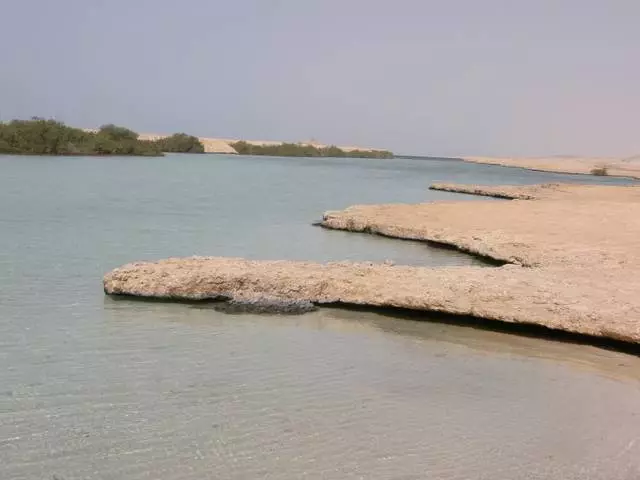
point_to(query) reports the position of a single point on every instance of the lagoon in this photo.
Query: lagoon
(97, 388)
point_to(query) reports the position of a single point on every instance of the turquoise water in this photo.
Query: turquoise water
(92, 388)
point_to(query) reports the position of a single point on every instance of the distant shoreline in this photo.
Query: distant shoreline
(428, 157)
(600, 166)
(306, 150)
(40, 136)
(281, 149)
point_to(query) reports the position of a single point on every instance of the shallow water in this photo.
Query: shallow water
(94, 388)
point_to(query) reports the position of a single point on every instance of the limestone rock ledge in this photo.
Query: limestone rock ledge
(556, 298)
(573, 260)
(502, 191)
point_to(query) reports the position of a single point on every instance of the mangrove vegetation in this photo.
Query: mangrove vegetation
(180, 143)
(305, 150)
(40, 136)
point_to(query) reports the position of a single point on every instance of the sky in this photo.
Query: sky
(442, 78)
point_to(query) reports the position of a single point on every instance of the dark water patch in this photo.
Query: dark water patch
(276, 306)
(131, 297)
(529, 330)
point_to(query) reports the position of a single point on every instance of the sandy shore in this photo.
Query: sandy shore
(572, 251)
(619, 167)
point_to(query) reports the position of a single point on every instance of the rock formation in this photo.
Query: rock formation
(572, 258)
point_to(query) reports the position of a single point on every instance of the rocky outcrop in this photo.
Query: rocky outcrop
(572, 256)
(506, 192)
(546, 191)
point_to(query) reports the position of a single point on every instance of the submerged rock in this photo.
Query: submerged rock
(265, 306)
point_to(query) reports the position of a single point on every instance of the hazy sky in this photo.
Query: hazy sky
(495, 77)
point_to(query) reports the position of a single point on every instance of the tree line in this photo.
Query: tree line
(305, 150)
(40, 136)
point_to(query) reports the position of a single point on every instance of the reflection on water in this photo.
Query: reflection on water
(92, 388)
(597, 360)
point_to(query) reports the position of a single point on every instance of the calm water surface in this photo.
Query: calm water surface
(93, 388)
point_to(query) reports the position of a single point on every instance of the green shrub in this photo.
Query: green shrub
(305, 150)
(180, 143)
(42, 137)
(49, 137)
(118, 134)
(600, 171)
